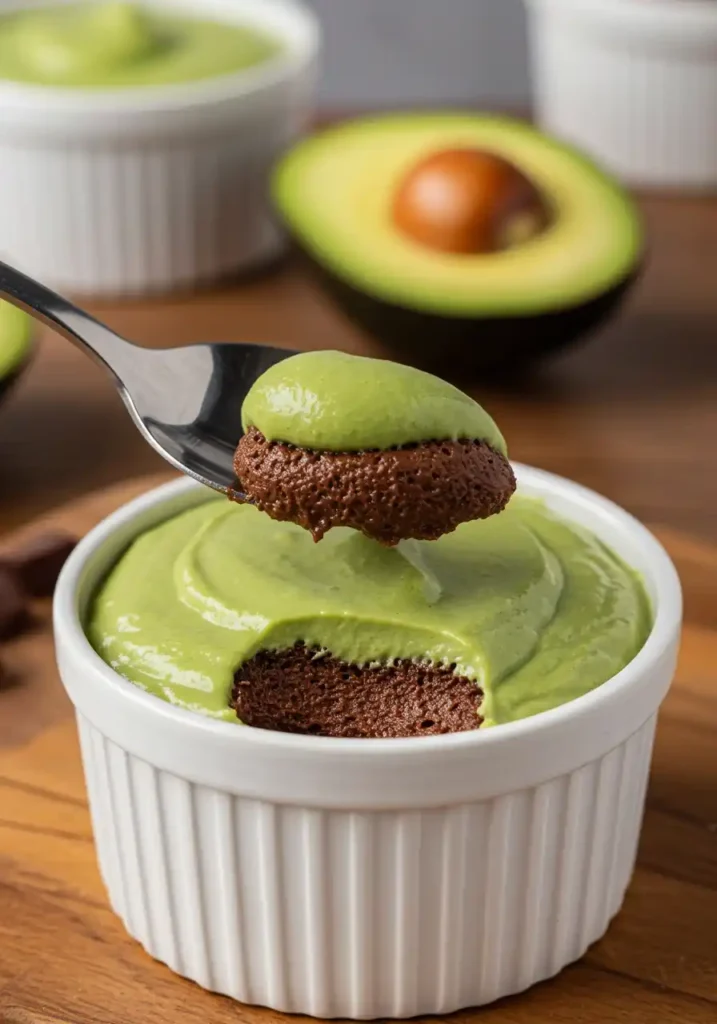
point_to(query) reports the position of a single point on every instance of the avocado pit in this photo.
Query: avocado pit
(468, 201)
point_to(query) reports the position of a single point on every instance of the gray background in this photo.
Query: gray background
(394, 52)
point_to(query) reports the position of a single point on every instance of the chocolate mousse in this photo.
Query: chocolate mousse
(419, 491)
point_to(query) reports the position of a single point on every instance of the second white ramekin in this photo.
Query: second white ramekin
(366, 878)
(139, 190)
(633, 82)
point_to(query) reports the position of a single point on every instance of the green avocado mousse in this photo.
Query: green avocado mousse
(525, 609)
(15, 340)
(116, 44)
(339, 402)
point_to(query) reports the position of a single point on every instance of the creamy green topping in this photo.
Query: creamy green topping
(339, 402)
(15, 333)
(535, 610)
(123, 44)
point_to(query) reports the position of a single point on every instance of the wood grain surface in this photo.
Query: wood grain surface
(65, 958)
(632, 413)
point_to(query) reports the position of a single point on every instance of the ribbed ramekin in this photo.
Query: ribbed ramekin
(366, 878)
(633, 82)
(140, 190)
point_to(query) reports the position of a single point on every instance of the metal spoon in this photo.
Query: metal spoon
(185, 401)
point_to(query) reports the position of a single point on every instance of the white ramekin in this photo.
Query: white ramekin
(633, 82)
(366, 878)
(139, 190)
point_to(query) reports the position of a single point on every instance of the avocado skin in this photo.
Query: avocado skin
(469, 344)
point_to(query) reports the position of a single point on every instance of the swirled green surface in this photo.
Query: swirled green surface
(536, 610)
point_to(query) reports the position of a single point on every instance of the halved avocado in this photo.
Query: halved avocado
(15, 343)
(336, 192)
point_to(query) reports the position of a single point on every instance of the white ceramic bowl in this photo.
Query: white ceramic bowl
(366, 878)
(137, 190)
(633, 82)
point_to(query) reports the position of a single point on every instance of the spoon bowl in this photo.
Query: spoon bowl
(186, 402)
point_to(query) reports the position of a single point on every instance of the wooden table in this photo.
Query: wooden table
(633, 414)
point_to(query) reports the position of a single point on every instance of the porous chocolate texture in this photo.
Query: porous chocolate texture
(303, 690)
(417, 491)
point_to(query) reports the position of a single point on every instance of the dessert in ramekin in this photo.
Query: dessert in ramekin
(119, 189)
(367, 877)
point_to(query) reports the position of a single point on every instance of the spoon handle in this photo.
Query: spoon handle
(73, 323)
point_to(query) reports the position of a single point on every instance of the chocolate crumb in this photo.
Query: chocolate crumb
(37, 561)
(14, 610)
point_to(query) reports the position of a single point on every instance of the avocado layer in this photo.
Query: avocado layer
(533, 609)
(15, 336)
(333, 401)
(335, 192)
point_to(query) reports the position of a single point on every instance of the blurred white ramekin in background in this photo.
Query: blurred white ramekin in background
(632, 82)
(146, 189)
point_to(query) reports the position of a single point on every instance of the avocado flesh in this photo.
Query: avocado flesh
(15, 336)
(335, 191)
